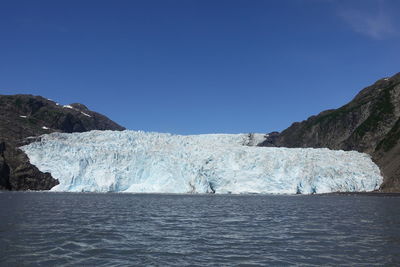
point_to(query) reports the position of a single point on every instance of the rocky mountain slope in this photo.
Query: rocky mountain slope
(25, 116)
(369, 123)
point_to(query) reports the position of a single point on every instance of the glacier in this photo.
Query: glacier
(149, 162)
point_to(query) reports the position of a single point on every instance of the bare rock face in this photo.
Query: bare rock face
(369, 123)
(25, 116)
(4, 169)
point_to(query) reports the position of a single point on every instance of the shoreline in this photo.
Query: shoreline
(373, 193)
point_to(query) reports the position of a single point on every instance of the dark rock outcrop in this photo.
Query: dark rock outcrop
(26, 116)
(369, 123)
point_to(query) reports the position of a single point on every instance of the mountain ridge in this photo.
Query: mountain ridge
(369, 123)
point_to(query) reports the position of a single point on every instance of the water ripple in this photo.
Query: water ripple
(68, 229)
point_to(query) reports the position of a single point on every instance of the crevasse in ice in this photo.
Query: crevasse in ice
(135, 161)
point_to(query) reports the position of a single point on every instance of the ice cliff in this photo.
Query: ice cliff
(135, 161)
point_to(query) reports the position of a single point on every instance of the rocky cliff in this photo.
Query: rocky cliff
(369, 123)
(23, 117)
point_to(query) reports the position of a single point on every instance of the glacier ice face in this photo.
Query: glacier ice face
(135, 161)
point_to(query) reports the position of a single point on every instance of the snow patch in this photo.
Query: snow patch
(44, 128)
(131, 161)
(71, 107)
(87, 115)
(23, 116)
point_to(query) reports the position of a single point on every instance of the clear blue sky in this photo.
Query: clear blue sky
(198, 66)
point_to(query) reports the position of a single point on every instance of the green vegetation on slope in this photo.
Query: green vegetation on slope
(391, 139)
(382, 108)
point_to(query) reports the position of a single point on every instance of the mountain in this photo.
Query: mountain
(131, 161)
(369, 123)
(23, 117)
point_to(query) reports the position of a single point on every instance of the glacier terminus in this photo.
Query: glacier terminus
(149, 162)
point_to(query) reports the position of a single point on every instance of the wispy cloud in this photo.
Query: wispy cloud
(373, 21)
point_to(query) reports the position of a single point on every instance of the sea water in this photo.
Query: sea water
(119, 229)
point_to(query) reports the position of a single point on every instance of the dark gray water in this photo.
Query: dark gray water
(128, 229)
